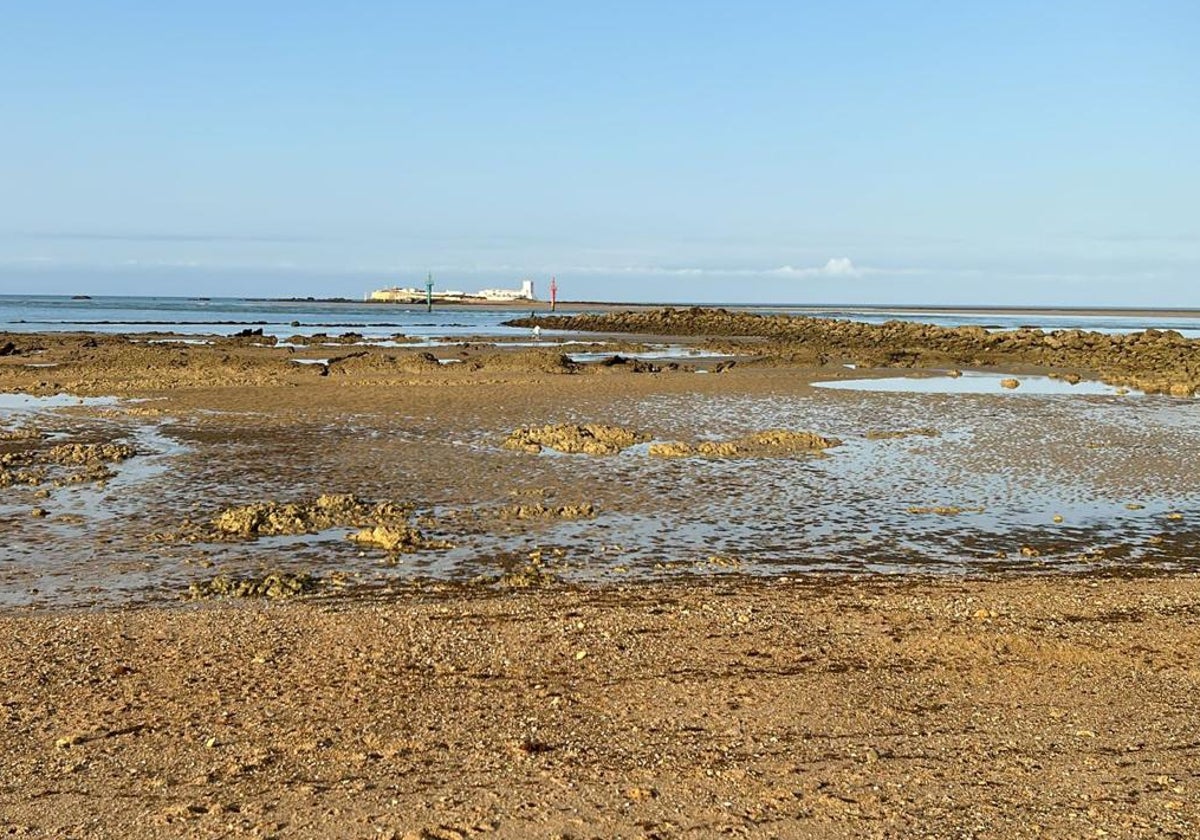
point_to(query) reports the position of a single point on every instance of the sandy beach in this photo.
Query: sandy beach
(1060, 707)
(488, 590)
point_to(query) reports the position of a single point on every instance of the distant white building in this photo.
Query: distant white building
(523, 293)
(396, 294)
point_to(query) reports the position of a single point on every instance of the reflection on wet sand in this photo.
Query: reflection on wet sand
(1096, 483)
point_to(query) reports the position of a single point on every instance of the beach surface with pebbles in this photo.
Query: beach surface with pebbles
(717, 575)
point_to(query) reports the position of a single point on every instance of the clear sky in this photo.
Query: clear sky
(891, 152)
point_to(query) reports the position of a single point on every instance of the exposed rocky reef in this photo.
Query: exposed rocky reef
(21, 433)
(384, 525)
(944, 510)
(87, 454)
(398, 539)
(265, 519)
(1155, 361)
(589, 439)
(891, 434)
(538, 510)
(773, 443)
(66, 463)
(536, 361)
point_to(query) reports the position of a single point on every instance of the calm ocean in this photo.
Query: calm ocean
(224, 316)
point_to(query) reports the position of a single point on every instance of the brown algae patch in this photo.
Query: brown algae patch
(589, 439)
(773, 443)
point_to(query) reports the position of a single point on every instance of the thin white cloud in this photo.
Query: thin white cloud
(833, 267)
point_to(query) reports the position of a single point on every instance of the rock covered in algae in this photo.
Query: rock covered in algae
(773, 443)
(401, 539)
(22, 433)
(527, 577)
(944, 510)
(589, 439)
(673, 449)
(328, 511)
(89, 453)
(276, 585)
(537, 510)
(84, 462)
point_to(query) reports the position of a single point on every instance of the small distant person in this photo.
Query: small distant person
(537, 332)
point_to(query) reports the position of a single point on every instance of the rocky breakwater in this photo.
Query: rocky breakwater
(1155, 361)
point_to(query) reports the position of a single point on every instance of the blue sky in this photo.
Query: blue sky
(891, 152)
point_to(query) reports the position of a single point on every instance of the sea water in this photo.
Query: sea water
(228, 316)
(283, 318)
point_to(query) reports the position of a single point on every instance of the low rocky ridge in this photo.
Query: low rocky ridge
(384, 525)
(108, 364)
(944, 510)
(67, 463)
(87, 454)
(21, 433)
(589, 439)
(773, 443)
(891, 434)
(632, 365)
(398, 539)
(536, 361)
(1155, 361)
(538, 510)
(267, 519)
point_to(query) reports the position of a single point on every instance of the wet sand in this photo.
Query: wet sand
(960, 616)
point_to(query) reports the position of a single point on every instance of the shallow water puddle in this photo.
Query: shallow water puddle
(977, 383)
(655, 353)
(27, 402)
(112, 500)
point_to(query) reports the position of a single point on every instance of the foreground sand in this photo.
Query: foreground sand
(1060, 707)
